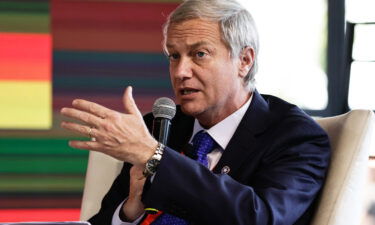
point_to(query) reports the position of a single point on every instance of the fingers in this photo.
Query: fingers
(82, 116)
(129, 103)
(87, 131)
(88, 145)
(116, 134)
(79, 129)
(91, 107)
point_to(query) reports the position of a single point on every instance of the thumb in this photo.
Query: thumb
(129, 103)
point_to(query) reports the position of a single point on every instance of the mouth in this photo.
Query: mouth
(188, 91)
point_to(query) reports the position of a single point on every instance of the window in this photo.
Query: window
(292, 55)
(360, 13)
(362, 73)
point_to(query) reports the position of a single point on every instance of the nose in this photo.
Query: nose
(181, 69)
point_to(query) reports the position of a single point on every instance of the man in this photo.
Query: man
(267, 159)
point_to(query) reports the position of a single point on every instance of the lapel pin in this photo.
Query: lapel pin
(225, 170)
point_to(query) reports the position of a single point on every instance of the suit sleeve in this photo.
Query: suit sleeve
(289, 172)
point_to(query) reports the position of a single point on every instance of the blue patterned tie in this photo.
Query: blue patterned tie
(202, 145)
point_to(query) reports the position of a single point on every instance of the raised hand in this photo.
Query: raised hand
(121, 135)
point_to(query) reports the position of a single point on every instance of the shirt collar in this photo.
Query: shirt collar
(223, 131)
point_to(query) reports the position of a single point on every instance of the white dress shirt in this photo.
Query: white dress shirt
(222, 132)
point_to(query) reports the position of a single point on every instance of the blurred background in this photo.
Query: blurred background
(317, 54)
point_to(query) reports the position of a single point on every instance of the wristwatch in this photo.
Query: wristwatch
(154, 161)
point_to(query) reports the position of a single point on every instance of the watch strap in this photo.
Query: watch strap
(153, 162)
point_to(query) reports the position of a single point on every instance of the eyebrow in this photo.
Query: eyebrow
(195, 45)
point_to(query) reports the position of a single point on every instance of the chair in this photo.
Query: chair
(101, 172)
(341, 202)
(350, 135)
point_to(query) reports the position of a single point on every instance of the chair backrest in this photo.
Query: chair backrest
(341, 201)
(101, 172)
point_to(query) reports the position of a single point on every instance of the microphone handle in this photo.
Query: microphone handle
(160, 129)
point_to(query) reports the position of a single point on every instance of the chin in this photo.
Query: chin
(191, 109)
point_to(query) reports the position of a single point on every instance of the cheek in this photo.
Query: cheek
(172, 79)
(221, 88)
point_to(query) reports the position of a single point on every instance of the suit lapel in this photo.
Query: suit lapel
(239, 149)
(254, 122)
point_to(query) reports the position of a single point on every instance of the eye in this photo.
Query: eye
(200, 54)
(173, 56)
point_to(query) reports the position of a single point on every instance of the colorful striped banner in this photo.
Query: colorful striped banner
(97, 48)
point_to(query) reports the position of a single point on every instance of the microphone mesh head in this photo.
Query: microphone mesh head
(164, 107)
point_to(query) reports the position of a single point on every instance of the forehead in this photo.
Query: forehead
(193, 31)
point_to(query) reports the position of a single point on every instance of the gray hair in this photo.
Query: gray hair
(237, 26)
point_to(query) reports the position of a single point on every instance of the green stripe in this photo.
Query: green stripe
(43, 165)
(113, 82)
(25, 6)
(36, 146)
(110, 57)
(40, 183)
(24, 22)
(41, 156)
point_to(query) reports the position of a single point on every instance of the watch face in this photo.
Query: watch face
(152, 165)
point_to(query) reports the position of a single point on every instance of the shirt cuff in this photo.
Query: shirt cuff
(116, 217)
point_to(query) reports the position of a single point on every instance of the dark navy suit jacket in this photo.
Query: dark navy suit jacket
(277, 158)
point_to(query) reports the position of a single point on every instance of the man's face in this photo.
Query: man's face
(205, 79)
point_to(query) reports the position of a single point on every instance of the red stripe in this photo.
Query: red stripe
(96, 40)
(97, 13)
(24, 215)
(151, 218)
(109, 26)
(25, 56)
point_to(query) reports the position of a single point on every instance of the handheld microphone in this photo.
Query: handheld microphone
(164, 109)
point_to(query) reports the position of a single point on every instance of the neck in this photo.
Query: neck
(208, 121)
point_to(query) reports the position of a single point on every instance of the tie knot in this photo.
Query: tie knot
(203, 144)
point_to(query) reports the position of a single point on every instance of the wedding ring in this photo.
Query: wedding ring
(89, 133)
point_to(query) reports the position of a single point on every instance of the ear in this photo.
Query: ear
(246, 61)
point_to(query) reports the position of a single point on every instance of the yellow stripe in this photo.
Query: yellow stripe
(151, 210)
(25, 105)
